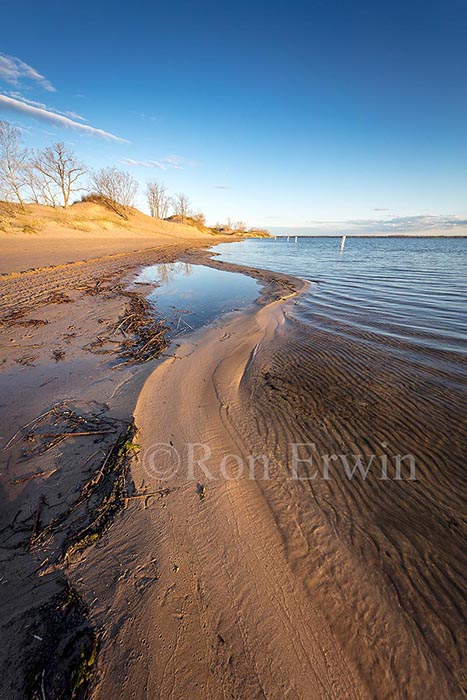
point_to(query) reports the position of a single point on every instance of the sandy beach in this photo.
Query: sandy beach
(135, 568)
(60, 344)
(321, 589)
(233, 351)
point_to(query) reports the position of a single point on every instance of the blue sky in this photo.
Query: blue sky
(324, 115)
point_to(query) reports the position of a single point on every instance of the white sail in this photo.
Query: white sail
(296, 239)
(343, 243)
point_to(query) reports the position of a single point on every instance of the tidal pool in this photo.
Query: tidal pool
(191, 296)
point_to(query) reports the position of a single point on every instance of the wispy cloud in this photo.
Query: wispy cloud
(421, 224)
(145, 163)
(180, 162)
(13, 71)
(222, 187)
(41, 105)
(168, 163)
(10, 104)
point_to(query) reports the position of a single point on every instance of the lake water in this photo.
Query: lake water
(407, 291)
(190, 296)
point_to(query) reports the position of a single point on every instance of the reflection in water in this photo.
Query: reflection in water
(190, 296)
(168, 271)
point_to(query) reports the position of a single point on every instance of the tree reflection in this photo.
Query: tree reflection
(168, 271)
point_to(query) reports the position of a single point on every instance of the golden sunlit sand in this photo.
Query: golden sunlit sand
(124, 579)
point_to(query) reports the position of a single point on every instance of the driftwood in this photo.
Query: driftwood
(73, 434)
(58, 418)
(35, 528)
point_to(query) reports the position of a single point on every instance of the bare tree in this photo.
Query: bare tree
(240, 226)
(59, 167)
(31, 180)
(43, 190)
(181, 205)
(116, 186)
(199, 218)
(157, 199)
(13, 162)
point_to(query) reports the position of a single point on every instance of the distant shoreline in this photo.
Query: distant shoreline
(366, 235)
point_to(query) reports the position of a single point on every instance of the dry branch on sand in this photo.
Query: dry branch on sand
(145, 336)
(61, 416)
(148, 335)
(16, 316)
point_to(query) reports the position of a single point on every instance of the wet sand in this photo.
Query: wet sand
(227, 586)
(62, 372)
(212, 584)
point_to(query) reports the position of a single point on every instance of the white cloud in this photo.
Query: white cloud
(10, 104)
(168, 163)
(13, 71)
(41, 105)
(421, 224)
(180, 162)
(146, 163)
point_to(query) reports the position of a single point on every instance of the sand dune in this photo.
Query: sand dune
(41, 236)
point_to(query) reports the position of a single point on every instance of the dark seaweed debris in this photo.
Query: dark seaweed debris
(61, 645)
(64, 662)
(99, 500)
(144, 335)
(147, 334)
